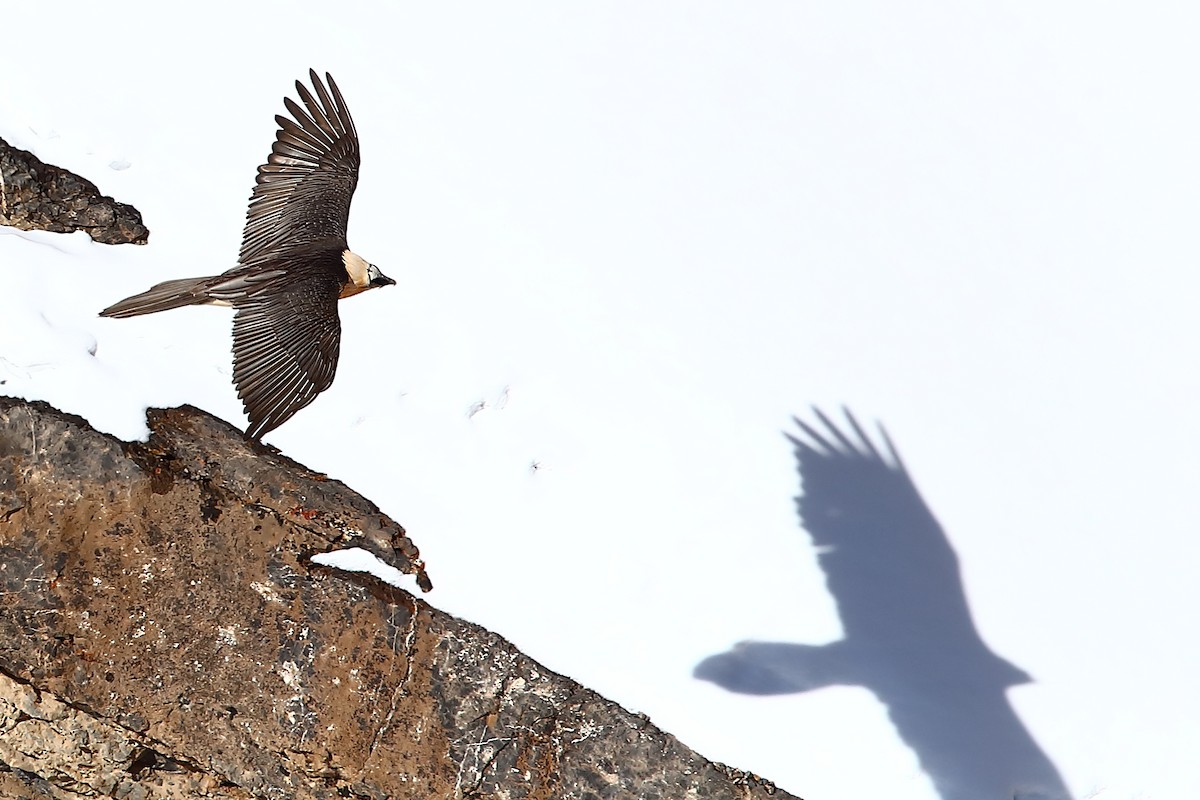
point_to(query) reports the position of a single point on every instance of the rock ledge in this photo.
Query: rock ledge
(164, 634)
(43, 197)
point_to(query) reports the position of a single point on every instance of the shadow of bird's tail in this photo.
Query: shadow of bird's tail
(162, 297)
(764, 668)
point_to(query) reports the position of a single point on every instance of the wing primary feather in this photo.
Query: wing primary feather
(897, 461)
(342, 109)
(288, 150)
(292, 128)
(281, 393)
(327, 106)
(866, 442)
(299, 146)
(317, 113)
(271, 411)
(305, 121)
(816, 437)
(849, 448)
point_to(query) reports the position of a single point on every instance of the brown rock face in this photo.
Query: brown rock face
(163, 634)
(39, 196)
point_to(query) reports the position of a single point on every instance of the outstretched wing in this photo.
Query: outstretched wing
(286, 340)
(887, 561)
(302, 194)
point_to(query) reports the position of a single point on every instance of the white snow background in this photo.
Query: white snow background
(639, 237)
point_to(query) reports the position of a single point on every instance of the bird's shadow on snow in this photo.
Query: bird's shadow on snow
(909, 637)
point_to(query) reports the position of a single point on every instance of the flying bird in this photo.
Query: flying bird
(294, 265)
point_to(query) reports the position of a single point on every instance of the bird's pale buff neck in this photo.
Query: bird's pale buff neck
(357, 268)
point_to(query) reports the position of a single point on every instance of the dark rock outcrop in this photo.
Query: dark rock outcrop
(39, 196)
(163, 633)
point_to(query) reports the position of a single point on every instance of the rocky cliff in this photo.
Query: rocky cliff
(43, 197)
(163, 633)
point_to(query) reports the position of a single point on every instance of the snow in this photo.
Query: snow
(630, 241)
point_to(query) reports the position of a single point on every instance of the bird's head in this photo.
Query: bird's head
(377, 278)
(363, 275)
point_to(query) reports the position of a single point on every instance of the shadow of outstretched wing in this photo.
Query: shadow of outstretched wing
(908, 632)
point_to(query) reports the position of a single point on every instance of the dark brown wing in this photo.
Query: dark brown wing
(302, 194)
(286, 340)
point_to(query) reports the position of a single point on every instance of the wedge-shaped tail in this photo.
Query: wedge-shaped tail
(162, 297)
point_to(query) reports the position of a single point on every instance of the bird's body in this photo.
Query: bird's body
(293, 267)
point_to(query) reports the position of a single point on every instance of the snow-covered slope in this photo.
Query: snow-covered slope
(631, 240)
